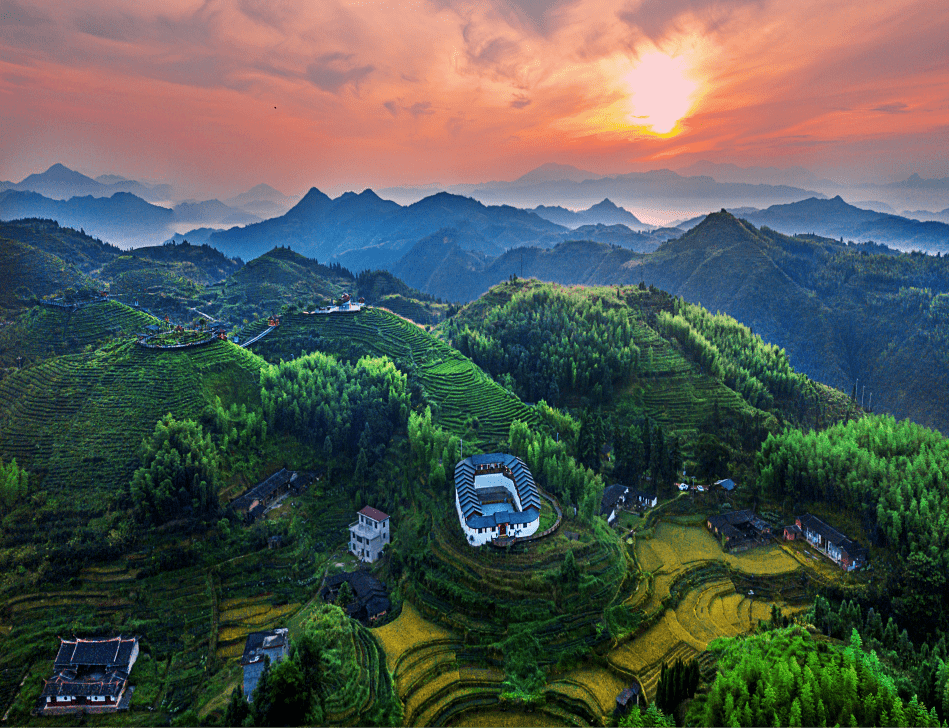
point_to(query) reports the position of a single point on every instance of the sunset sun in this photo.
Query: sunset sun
(661, 93)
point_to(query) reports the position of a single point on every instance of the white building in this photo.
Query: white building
(496, 497)
(369, 534)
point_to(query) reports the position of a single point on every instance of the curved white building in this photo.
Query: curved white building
(495, 497)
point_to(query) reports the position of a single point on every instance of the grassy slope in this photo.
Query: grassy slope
(41, 331)
(76, 421)
(28, 271)
(461, 389)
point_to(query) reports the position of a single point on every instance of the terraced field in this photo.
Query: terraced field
(76, 421)
(42, 331)
(717, 594)
(461, 389)
(673, 392)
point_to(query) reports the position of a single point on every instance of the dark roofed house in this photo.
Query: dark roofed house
(834, 544)
(739, 530)
(254, 502)
(613, 499)
(629, 698)
(90, 675)
(271, 644)
(372, 598)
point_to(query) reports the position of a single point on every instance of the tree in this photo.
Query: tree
(286, 698)
(238, 709)
(345, 597)
(180, 474)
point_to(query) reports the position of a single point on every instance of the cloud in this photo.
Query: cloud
(332, 71)
(520, 101)
(420, 108)
(657, 19)
(893, 108)
(13, 13)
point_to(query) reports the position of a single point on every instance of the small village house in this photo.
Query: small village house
(272, 645)
(369, 534)
(90, 675)
(371, 597)
(739, 530)
(832, 543)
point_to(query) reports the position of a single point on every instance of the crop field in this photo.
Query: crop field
(408, 631)
(674, 392)
(464, 393)
(600, 685)
(513, 718)
(674, 547)
(713, 604)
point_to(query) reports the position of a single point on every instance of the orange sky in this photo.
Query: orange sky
(370, 93)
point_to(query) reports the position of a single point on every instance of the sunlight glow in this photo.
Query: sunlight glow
(661, 92)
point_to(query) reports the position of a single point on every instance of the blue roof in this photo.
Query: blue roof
(510, 517)
(523, 481)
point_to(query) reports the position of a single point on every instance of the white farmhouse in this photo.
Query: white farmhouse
(369, 534)
(496, 498)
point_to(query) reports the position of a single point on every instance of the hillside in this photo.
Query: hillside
(76, 421)
(841, 312)
(464, 400)
(72, 246)
(28, 272)
(635, 353)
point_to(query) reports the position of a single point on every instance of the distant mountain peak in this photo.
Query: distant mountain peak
(605, 204)
(59, 173)
(554, 172)
(264, 188)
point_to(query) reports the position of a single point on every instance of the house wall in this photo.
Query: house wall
(475, 538)
(369, 552)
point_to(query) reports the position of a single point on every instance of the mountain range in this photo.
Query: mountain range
(603, 213)
(61, 183)
(364, 231)
(658, 189)
(842, 312)
(835, 218)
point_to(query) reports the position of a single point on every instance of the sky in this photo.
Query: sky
(220, 95)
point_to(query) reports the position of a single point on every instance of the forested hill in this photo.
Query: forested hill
(638, 353)
(842, 312)
(843, 315)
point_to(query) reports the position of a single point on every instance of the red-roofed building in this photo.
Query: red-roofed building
(369, 534)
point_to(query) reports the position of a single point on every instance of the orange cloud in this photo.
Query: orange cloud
(372, 93)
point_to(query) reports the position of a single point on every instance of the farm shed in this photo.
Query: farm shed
(629, 698)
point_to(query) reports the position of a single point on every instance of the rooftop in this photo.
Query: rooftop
(114, 652)
(373, 513)
(258, 644)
